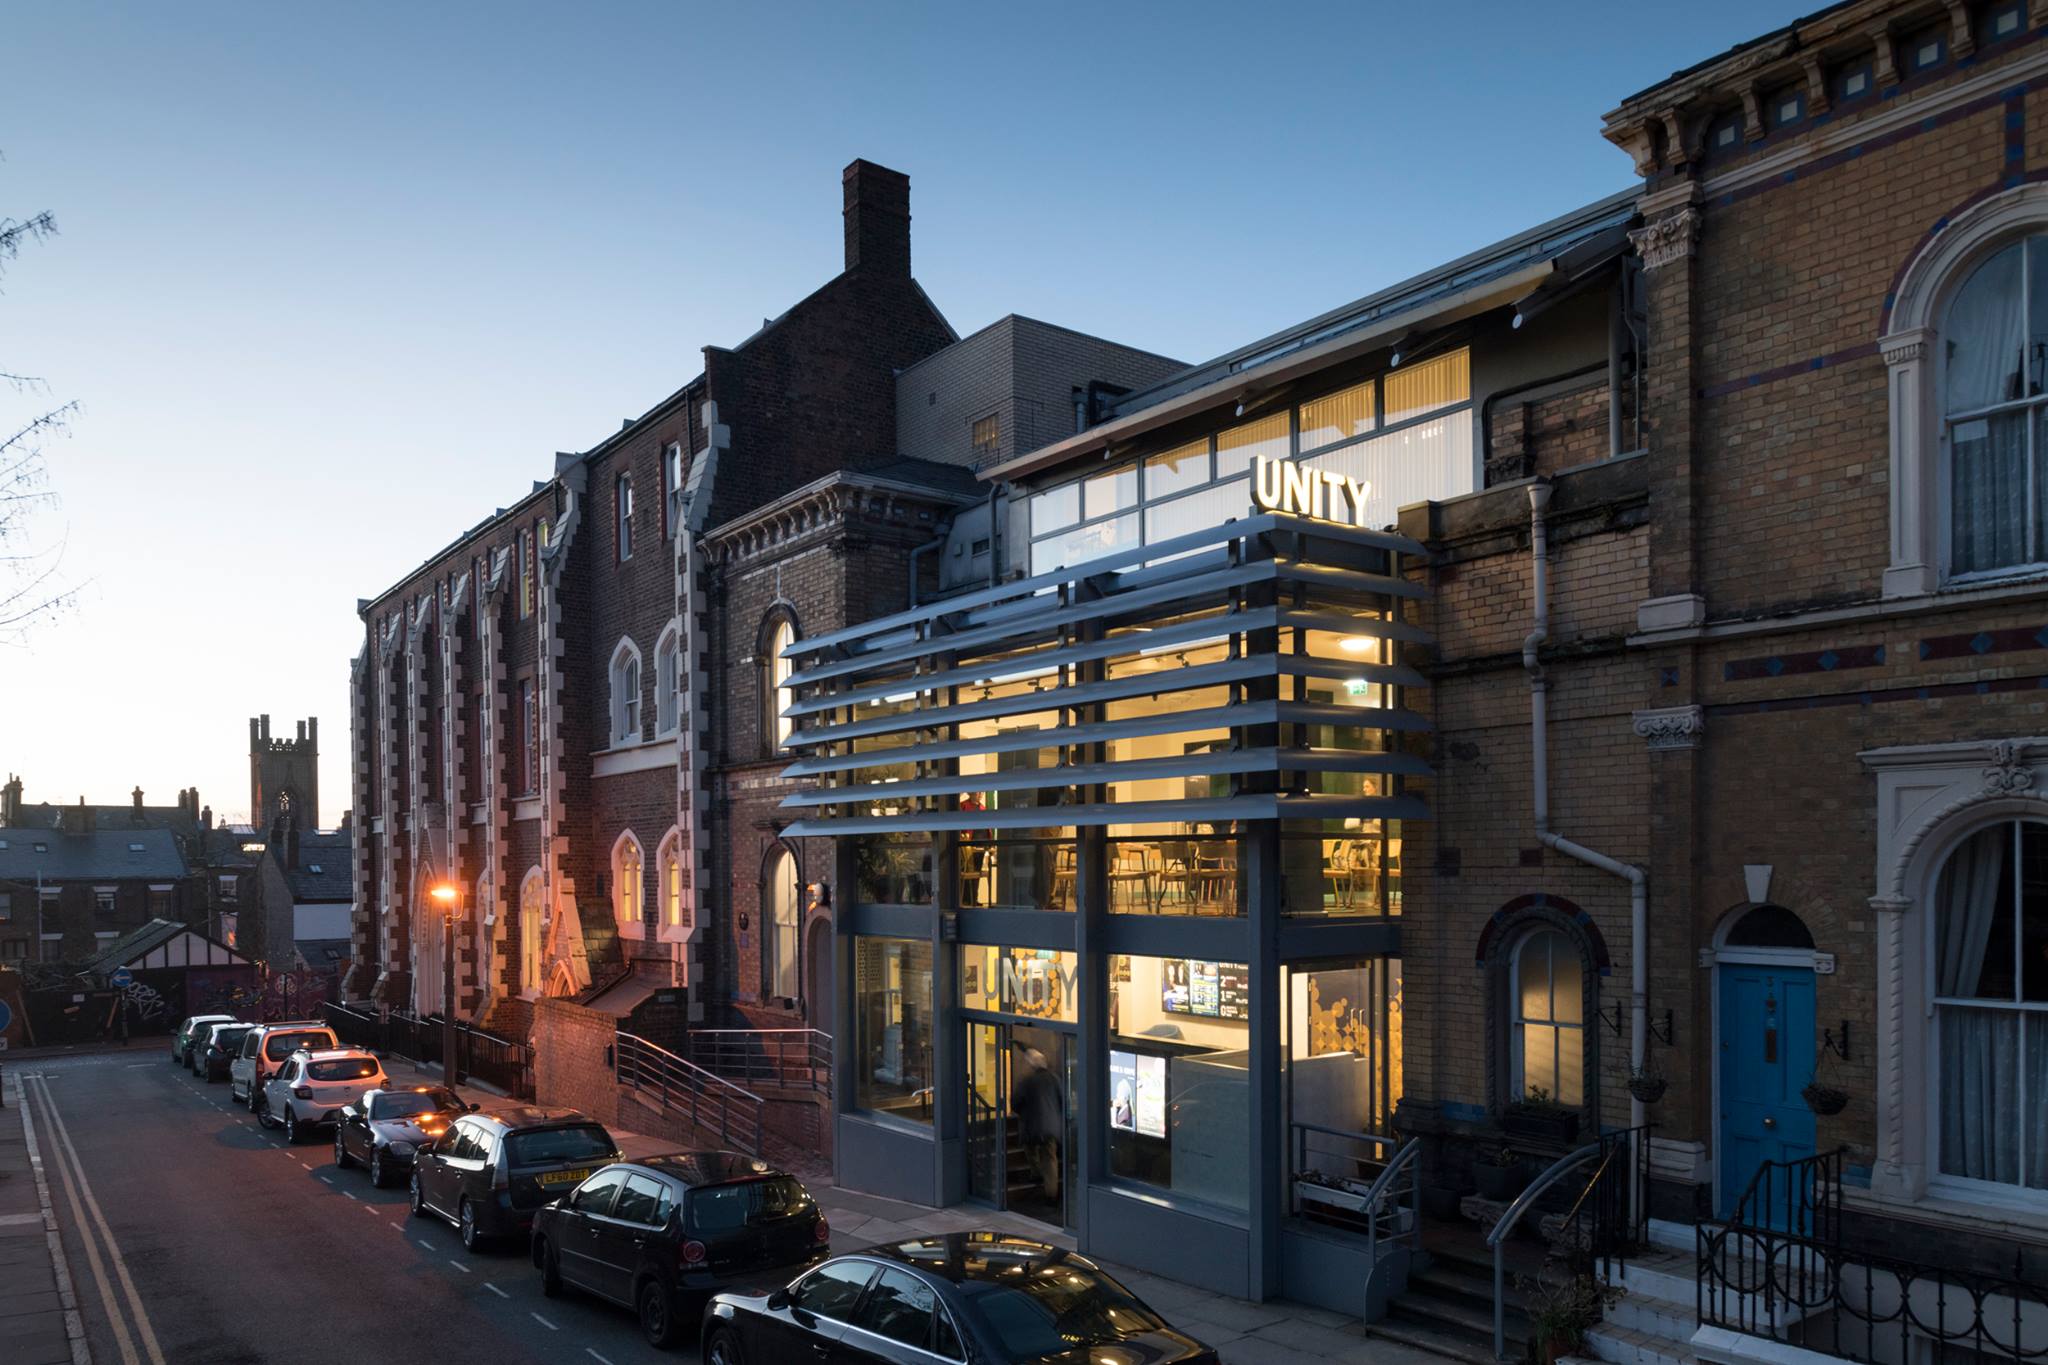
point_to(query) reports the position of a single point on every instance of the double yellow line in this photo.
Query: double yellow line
(93, 1230)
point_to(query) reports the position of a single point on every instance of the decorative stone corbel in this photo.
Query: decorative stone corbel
(2008, 774)
(1671, 727)
(1886, 66)
(1816, 85)
(1667, 239)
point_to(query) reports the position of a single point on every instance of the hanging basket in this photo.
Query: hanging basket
(1824, 1100)
(1648, 1088)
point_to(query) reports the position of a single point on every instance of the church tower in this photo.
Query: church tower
(284, 779)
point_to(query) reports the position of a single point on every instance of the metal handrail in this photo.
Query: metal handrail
(1556, 1172)
(775, 1056)
(1403, 1159)
(707, 1099)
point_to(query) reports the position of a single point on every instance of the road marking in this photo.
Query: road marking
(328, 1178)
(346, 1195)
(67, 1298)
(70, 1152)
(460, 1266)
(374, 1212)
(595, 1356)
(424, 1242)
(495, 1290)
(544, 1322)
(304, 1167)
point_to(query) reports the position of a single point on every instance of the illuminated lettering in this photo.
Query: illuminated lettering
(1322, 494)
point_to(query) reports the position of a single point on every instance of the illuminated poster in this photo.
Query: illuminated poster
(1211, 990)
(1137, 1093)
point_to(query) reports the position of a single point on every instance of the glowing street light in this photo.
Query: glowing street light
(449, 897)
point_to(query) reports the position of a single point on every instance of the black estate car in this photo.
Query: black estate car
(649, 1233)
(214, 1046)
(489, 1173)
(385, 1128)
(982, 1298)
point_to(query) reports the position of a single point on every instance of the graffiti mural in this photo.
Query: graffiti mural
(148, 1008)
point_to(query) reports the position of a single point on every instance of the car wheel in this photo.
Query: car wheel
(379, 1177)
(419, 1200)
(291, 1124)
(550, 1268)
(255, 1100)
(342, 1160)
(657, 1315)
(472, 1237)
(723, 1348)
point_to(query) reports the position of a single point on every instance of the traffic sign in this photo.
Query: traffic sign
(6, 1017)
(123, 978)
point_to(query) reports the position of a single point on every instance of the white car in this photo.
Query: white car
(314, 1085)
(264, 1050)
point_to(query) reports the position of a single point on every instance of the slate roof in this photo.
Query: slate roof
(139, 943)
(322, 953)
(105, 855)
(44, 815)
(325, 867)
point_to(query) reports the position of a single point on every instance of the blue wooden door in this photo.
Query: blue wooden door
(1767, 1056)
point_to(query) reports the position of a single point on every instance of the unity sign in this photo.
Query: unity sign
(1326, 495)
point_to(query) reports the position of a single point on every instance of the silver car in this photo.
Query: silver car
(313, 1086)
(264, 1050)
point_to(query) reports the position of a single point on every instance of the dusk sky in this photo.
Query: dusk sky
(334, 282)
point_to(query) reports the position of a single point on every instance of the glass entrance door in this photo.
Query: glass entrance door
(1020, 1147)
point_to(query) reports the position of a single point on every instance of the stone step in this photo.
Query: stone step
(1453, 1284)
(1658, 1317)
(1445, 1315)
(1451, 1345)
(1624, 1346)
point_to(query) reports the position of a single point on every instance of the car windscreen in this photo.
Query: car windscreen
(279, 1046)
(1052, 1307)
(727, 1208)
(545, 1145)
(342, 1069)
(407, 1103)
(227, 1040)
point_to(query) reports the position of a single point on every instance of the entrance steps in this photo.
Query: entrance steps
(1447, 1309)
(1652, 1322)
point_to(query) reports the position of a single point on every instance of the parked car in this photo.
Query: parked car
(490, 1173)
(212, 1057)
(264, 1050)
(181, 1040)
(986, 1298)
(385, 1129)
(648, 1234)
(314, 1085)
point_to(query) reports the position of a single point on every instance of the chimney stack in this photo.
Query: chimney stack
(85, 820)
(10, 802)
(205, 813)
(877, 218)
(138, 800)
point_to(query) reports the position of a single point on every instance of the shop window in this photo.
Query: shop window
(781, 921)
(669, 864)
(893, 869)
(1338, 417)
(629, 889)
(893, 1020)
(1548, 1028)
(668, 682)
(532, 901)
(1990, 993)
(1179, 1079)
(1342, 1052)
(1177, 470)
(625, 707)
(1037, 983)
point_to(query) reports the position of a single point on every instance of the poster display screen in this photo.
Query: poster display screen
(1208, 990)
(1137, 1093)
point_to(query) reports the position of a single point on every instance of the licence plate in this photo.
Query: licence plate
(574, 1177)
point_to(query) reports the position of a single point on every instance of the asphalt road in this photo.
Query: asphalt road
(197, 1238)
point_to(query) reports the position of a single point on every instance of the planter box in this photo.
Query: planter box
(1556, 1126)
(1500, 1183)
(1440, 1202)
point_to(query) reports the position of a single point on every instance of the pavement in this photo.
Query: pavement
(147, 1219)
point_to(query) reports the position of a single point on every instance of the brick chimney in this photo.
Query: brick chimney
(877, 218)
(85, 818)
(10, 802)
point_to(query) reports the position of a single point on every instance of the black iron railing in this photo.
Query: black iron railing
(787, 1057)
(497, 1062)
(1778, 1269)
(682, 1088)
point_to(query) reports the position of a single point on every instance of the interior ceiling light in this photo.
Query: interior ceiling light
(1358, 644)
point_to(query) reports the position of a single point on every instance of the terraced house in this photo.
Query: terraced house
(1554, 747)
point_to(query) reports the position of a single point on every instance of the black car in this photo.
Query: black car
(182, 1036)
(649, 1233)
(984, 1298)
(385, 1128)
(222, 1044)
(490, 1173)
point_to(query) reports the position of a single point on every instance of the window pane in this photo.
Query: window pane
(893, 1013)
(1056, 507)
(1982, 1127)
(1539, 1059)
(1176, 471)
(2037, 314)
(1201, 511)
(1236, 447)
(1179, 1084)
(1571, 1067)
(832, 1292)
(899, 1307)
(1431, 384)
(1986, 334)
(1532, 976)
(1567, 978)
(1987, 495)
(1088, 542)
(1427, 462)
(1973, 918)
(1111, 491)
(1339, 417)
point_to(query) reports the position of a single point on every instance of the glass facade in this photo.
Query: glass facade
(1179, 1076)
(893, 1027)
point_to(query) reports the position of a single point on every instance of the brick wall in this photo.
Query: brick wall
(569, 1059)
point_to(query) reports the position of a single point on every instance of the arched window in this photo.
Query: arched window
(1989, 963)
(668, 863)
(776, 690)
(531, 901)
(1548, 1032)
(781, 917)
(629, 890)
(668, 682)
(625, 694)
(625, 514)
(1995, 393)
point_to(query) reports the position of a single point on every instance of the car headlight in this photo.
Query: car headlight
(401, 1149)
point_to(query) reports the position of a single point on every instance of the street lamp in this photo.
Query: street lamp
(449, 897)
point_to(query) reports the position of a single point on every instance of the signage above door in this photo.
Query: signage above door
(1322, 494)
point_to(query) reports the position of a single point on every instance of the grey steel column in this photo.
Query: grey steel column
(1267, 1205)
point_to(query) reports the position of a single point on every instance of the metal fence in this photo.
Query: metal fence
(794, 1057)
(690, 1092)
(1777, 1269)
(480, 1056)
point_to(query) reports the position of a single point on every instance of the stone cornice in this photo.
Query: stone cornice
(829, 503)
